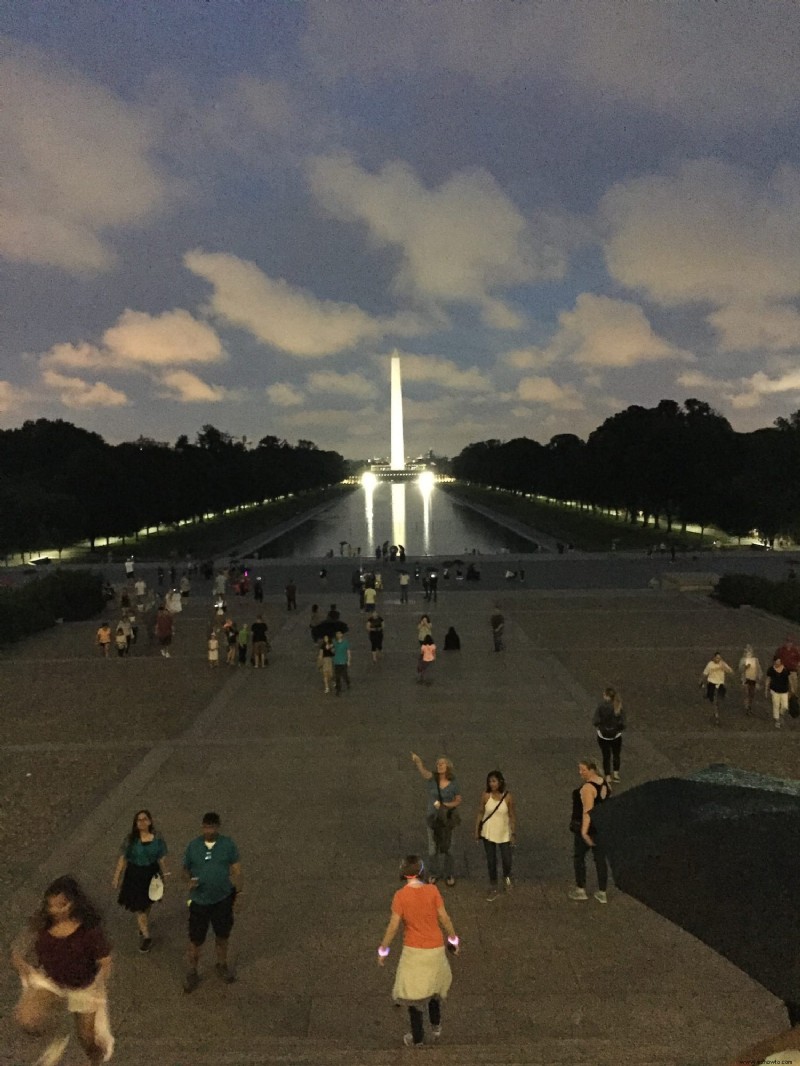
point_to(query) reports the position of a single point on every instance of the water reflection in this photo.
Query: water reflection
(421, 517)
(426, 491)
(369, 509)
(399, 513)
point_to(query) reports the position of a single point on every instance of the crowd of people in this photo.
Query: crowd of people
(64, 958)
(423, 975)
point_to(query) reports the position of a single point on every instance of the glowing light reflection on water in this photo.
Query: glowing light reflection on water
(423, 518)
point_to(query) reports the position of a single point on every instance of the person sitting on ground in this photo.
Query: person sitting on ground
(452, 641)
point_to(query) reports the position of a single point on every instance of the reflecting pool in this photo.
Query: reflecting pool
(423, 518)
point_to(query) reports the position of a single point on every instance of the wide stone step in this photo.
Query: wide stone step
(285, 1052)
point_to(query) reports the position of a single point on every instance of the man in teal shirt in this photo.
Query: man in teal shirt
(341, 661)
(212, 868)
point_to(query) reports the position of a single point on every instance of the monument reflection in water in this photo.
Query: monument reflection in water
(399, 534)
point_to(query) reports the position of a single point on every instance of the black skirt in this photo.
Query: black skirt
(134, 893)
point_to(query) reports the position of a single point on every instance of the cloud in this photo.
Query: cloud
(185, 387)
(755, 389)
(139, 342)
(11, 396)
(444, 372)
(717, 65)
(548, 392)
(282, 394)
(74, 162)
(695, 379)
(284, 316)
(168, 339)
(354, 386)
(79, 394)
(601, 331)
(757, 327)
(710, 232)
(532, 358)
(460, 242)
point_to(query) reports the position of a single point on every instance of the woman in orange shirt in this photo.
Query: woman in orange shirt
(423, 974)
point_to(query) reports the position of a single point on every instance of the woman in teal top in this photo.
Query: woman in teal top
(140, 858)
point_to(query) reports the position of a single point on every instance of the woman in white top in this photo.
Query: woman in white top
(750, 673)
(496, 826)
(714, 680)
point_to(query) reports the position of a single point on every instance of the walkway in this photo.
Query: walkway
(322, 798)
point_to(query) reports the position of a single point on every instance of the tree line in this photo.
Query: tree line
(668, 465)
(60, 484)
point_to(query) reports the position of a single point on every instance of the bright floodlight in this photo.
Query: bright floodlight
(426, 480)
(368, 480)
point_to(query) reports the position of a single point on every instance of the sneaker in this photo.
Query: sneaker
(145, 943)
(224, 974)
(777, 723)
(450, 882)
(508, 883)
(432, 879)
(54, 1052)
(191, 981)
(578, 893)
(601, 897)
(491, 895)
(615, 776)
(408, 1040)
(436, 1031)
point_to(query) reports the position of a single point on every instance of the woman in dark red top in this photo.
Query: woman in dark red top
(72, 961)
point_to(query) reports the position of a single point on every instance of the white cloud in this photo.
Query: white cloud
(733, 64)
(354, 386)
(185, 387)
(73, 163)
(695, 379)
(531, 358)
(11, 396)
(79, 394)
(601, 331)
(444, 372)
(168, 339)
(284, 316)
(140, 342)
(282, 394)
(710, 232)
(460, 242)
(546, 391)
(757, 327)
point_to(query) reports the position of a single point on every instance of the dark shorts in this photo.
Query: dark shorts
(218, 915)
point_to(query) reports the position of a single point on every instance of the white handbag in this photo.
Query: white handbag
(156, 888)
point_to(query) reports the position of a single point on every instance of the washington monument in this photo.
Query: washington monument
(397, 457)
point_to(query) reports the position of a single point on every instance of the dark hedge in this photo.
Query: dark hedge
(68, 595)
(777, 597)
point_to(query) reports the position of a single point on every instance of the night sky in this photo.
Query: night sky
(234, 212)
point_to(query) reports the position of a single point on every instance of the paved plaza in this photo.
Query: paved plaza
(322, 798)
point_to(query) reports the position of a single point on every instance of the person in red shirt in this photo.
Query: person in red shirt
(789, 654)
(423, 974)
(72, 964)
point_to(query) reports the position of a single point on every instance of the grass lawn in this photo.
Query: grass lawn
(586, 530)
(215, 536)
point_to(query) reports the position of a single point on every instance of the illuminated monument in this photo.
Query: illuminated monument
(397, 455)
(397, 469)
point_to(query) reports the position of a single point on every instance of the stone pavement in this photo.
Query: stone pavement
(322, 798)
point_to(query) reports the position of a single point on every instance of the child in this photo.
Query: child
(104, 638)
(213, 649)
(121, 641)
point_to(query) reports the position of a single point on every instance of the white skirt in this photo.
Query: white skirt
(422, 973)
(91, 1000)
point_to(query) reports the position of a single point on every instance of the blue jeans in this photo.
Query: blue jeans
(440, 863)
(579, 860)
